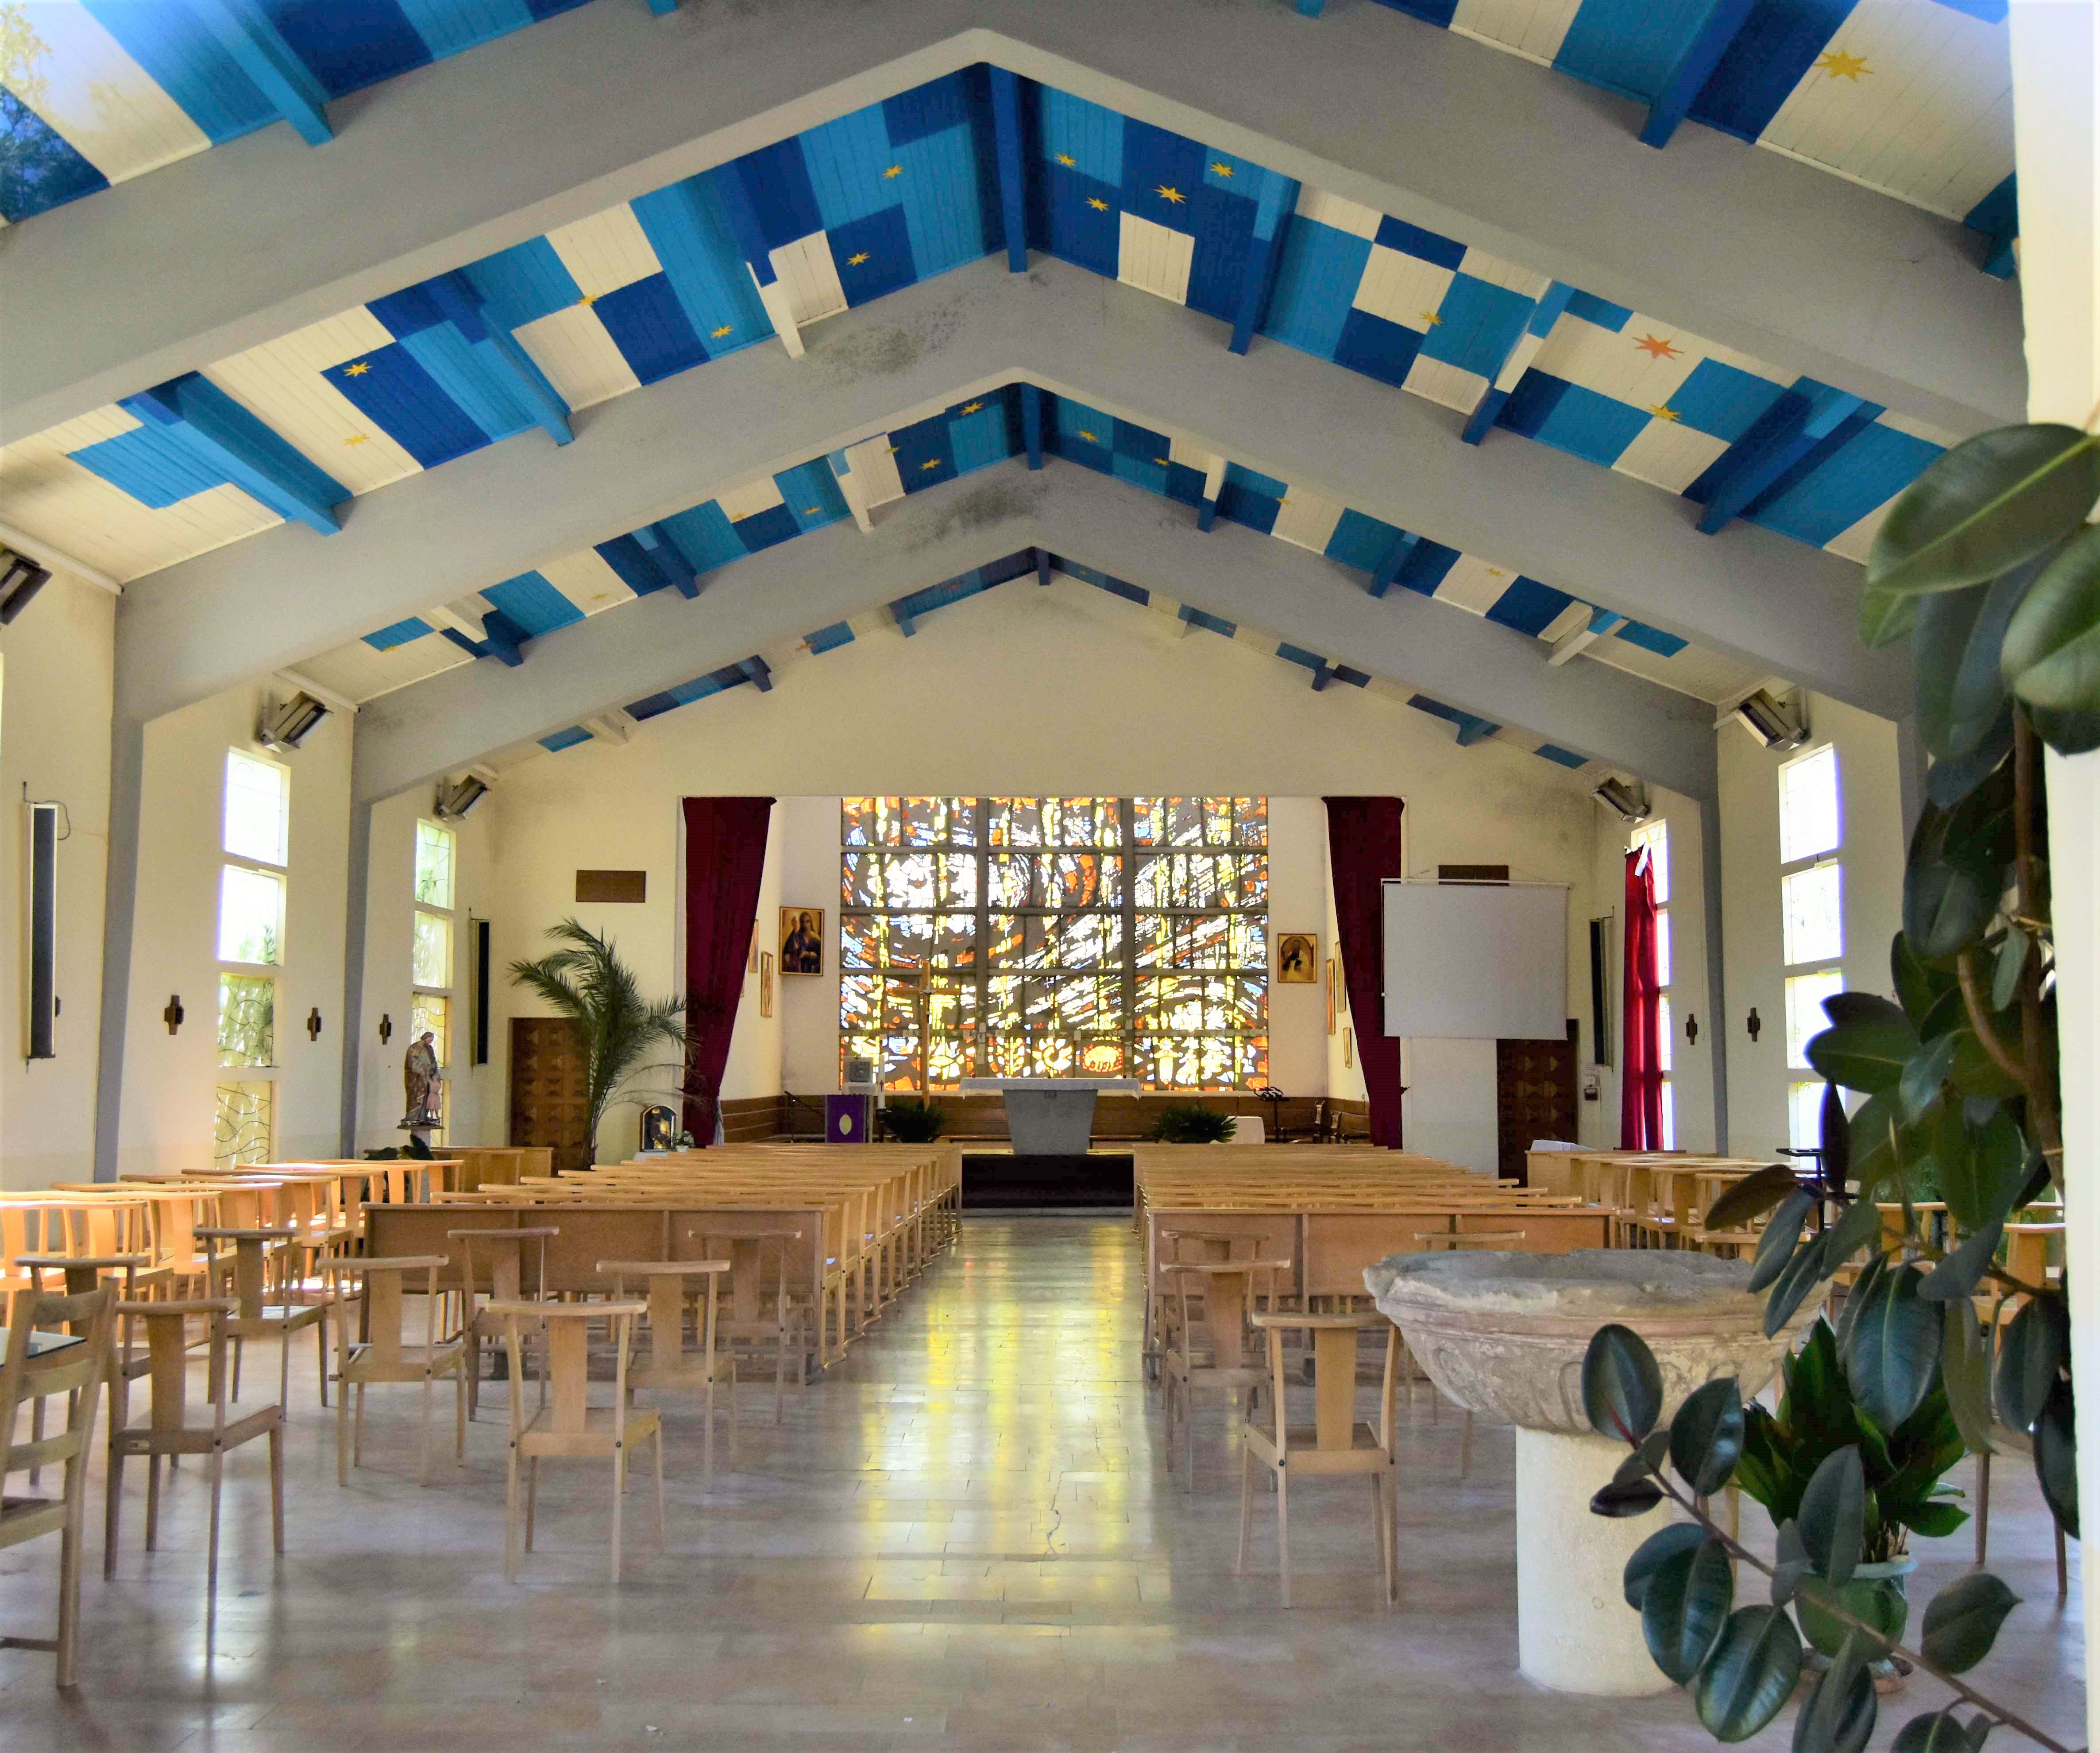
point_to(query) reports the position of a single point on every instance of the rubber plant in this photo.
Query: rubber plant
(585, 981)
(1987, 566)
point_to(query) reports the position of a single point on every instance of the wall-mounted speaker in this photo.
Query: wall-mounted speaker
(1600, 991)
(480, 929)
(43, 948)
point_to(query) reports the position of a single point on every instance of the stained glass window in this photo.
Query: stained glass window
(247, 1020)
(243, 1123)
(434, 844)
(1048, 936)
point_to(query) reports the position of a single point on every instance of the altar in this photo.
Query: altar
(1051, 1116)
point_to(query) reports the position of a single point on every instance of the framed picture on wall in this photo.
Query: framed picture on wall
(1331, 994)
(1341, 986)
(801, 940)
(1297, 958)
(765, 984)
(1348, 1047)
(751, 966)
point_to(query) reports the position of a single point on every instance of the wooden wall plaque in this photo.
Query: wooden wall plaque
(612, 886)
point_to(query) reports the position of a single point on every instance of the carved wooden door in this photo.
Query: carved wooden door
(549, 1098)
(1534, 1099)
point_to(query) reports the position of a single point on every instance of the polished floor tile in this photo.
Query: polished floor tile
(963, 1538)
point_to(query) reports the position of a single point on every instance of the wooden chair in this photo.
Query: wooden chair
(122, 1272)
(245, 1273)
(568, 1427)
(1194, 1247)
(55, 1345)
(1206, 1341)
(1436, 1239)
(503, 1251)
(668, 1363)
(750, 1254)
(1338, 1443)
(382, 1355)
(168, 1430)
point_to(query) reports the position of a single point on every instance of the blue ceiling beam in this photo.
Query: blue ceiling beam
(1031, 423)
(1042, 565)
(501, 638)
(758, 673)
(1006, 137)
(258, 48)
(1274, 208)
(1390, 563)
(1723, 23)
(497, 349)
(1523, 349)
(1472, 730)
(1196, 617)
(233, 443)
(1320, 677)
(1808, 415)
(1997, 217)
(662, 8)
(669, 560)
(743, 222)
(902, 616)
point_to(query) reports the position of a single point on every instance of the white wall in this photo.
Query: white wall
(56, 667)
(166, 1123)
(1056, 689)
(1871, 853)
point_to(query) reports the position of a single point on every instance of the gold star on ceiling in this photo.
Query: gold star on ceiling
(1097, 204)
(1161, 461)
(894, 170)
(589, 299)
(814, 511)
(726, 329)
(934, 463)
(856, 258)
(971, 407)
(1089, 436)
(1664, 412)
(358, 370)
(355, 438)
(1433, 319)
(1656, 346)
(1221, 168)
(1066, 160)
(1840, 65)
(1171, 195)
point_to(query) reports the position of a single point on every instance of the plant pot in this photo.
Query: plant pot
(1876, 1594)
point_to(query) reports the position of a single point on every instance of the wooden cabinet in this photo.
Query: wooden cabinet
(1534, 1099)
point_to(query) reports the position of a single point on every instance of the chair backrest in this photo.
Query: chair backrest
(568, 1360)
(1334, 1338)
(757, 1259)
(503, 1252)
(168, 1341)
(1201, 1245)
(385, 1285)
(1218, 1324)
(75, 1369)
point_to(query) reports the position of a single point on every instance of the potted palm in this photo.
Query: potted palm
(913, 1120)
(585, 981)
(1192, 1122)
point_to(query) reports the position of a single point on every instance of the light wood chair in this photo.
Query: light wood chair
(69, 1338)
(1337, 1442)
(382, 1355)
(1194, 1247)
(668, 1363)
(253, 1272)
(1484, 1238)
(1206, 1342)
(503, 1252)
(168, 1430)
(568, 1427)
(122, 1272)
(752, 1254)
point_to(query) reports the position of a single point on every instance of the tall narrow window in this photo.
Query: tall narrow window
(1655, 837)
(1812, 921)
(1119, 937)
(255, 834)
(430, 951)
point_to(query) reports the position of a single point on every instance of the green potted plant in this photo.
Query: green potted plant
(1192, 1122)
(1902, 1470)
(912, 1120)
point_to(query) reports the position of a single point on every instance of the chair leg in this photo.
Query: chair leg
(708, 1440)
(459, 1414)
(618, 1503)
(277, 1489)
(343, 1398)
(321, 1349)
(1246, 1504)
(734, 1458)
(510, 1517)
(239, 1348)
(113, 1500)
(780, 1376)
(1188, 1436)
(283, 1371)
(423, 1432)
(1389, 1484)
(1283, 1531)
(357, 1431)
(660, 1535)
(531, 1497)
(153, 1501)
(218, 1487)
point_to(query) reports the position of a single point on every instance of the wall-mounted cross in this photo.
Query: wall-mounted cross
(314, 1023)
(385, 1030)
(173, 1015)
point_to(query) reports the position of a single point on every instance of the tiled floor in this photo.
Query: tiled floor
(962, 1537)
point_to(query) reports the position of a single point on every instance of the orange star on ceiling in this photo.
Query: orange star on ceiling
(1840, 65)
(894, 170)
(856, 258)
(1221, 168)
(1097, 204)
(358, 370)
(1664, 412)
(1171, 195)
(726, 329)
(1656, 346)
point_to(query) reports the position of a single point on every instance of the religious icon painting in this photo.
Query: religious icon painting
(1348, 1047)
(1331, 994)
(765, 985)
(751, 965)
(801, 940)
(1297, 958)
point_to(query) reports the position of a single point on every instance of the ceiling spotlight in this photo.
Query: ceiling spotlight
(20, 579)
(284, 727)
(1775, 723)
(455, 800)
(1625, 798)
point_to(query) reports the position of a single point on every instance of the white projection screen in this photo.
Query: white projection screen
(1476, 961)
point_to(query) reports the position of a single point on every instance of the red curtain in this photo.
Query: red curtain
(1640, 1077)
(724, 858)
(1364, 850)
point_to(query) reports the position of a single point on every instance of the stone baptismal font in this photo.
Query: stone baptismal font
(1505, 1334)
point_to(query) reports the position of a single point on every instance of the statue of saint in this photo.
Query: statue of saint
(419, 1072)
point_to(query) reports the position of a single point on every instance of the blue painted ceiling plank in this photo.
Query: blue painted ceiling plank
(1031, 423)
(247, 33)
(503, 639)
(1723, 22)
(662, 8)
(759, 672)
(1013, 183)
(1523, 347)
(1042, 565)
(744, 221)
(1472, 730)
(1395, 557)
(1798, 422)
(902, 616)
(1320, 677)
(1997, 217)
(1264, 251)
(670, 559)
(496, 347)
(217, 431)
